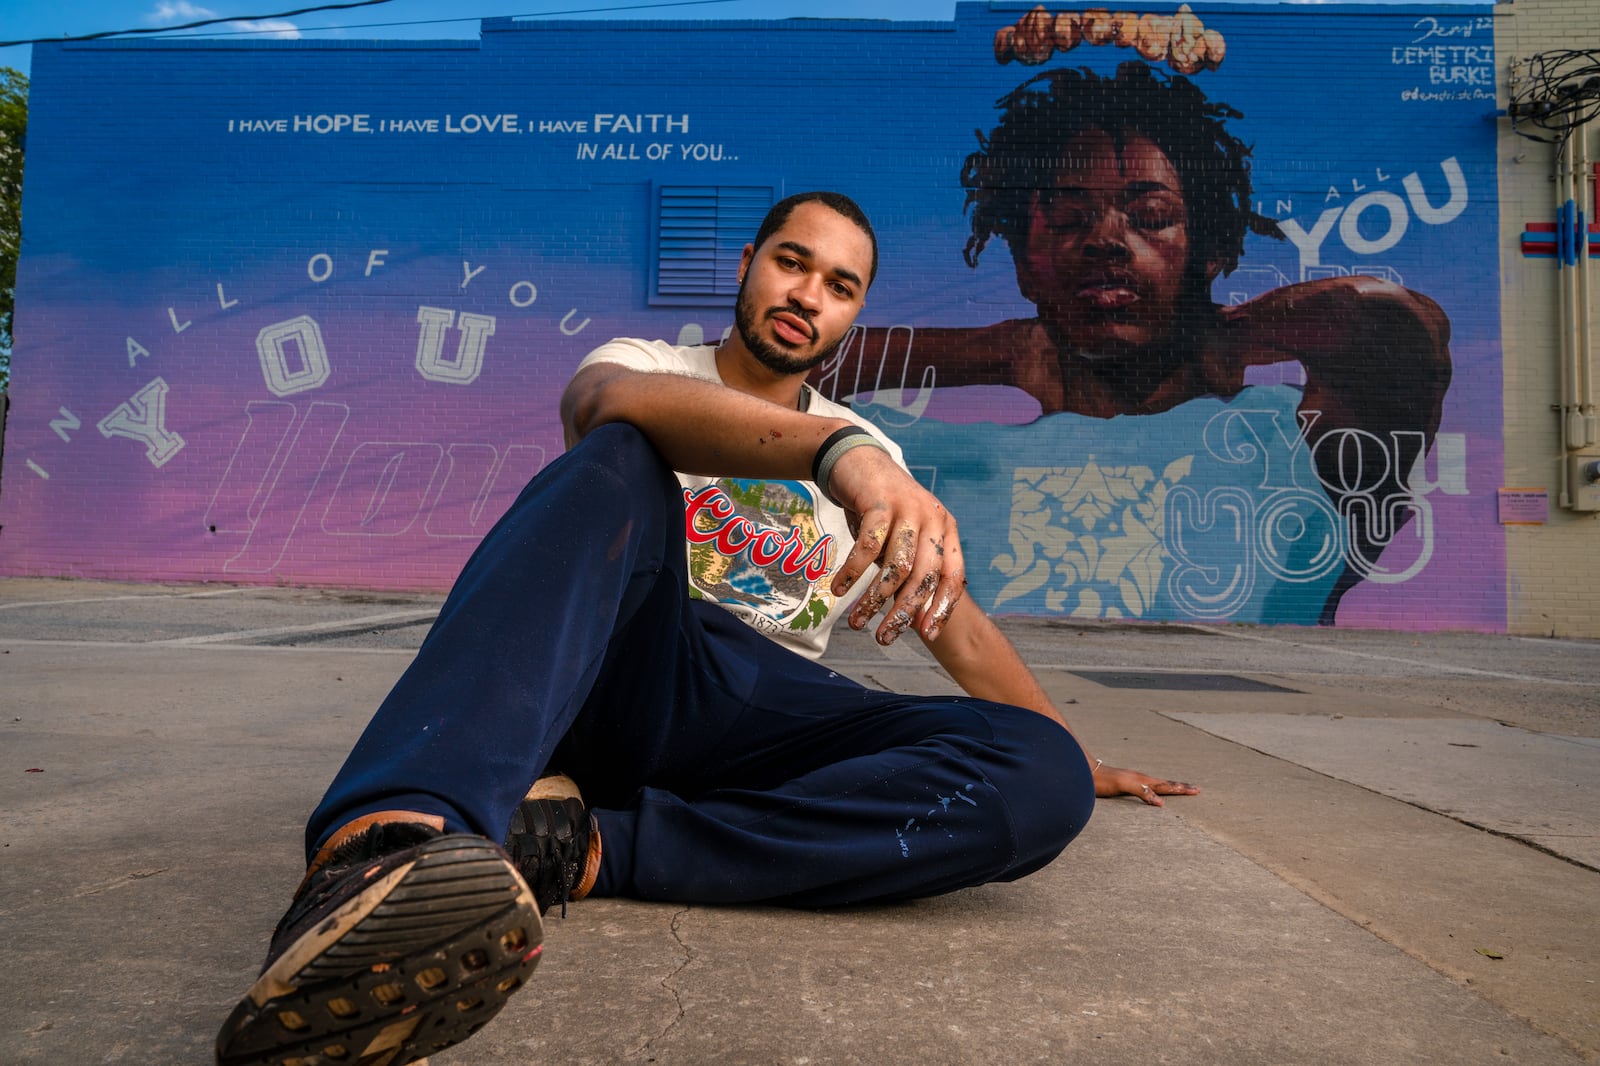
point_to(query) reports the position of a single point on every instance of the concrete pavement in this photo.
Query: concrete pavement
(1395, 859)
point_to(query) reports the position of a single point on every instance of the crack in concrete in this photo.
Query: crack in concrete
(667, 983)
(118, 882)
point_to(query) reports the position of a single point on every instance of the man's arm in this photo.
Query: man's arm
(985, 664)
(698, 426)
(702, 427)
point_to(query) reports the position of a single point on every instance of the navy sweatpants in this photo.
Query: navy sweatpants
(722, 768)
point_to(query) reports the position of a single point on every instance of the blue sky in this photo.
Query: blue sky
(414, 18)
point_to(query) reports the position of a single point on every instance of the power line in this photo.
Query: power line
(1556, 92)
(353, 25)
(194, 25)
(479, 18)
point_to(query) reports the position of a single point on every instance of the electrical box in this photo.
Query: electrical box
(1583, 479)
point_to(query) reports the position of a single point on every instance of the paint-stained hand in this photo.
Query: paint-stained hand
(904, 529)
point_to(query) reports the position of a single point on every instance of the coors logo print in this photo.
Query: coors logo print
(756, 546)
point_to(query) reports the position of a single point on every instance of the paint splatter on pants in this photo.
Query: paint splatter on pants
(722, 768)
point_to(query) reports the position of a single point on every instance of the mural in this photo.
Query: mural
(1201, 324)
(1248, 460)
(1122, 199)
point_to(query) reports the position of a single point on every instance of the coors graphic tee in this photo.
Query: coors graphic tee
(765, 550)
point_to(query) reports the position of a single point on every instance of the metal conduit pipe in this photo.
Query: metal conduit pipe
(1566, 337)
(1580, 426)
(1587, 472)
(1583, 179)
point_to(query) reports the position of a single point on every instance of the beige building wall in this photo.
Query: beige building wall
(1552, 570)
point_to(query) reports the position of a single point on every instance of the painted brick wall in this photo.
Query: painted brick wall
(301, 312)
(1551, 586)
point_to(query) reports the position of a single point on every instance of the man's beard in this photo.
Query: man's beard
(768, 354)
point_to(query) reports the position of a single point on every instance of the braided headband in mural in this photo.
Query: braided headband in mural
(1180, 40)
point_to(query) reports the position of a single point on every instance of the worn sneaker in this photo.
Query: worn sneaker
(403, 942)
(554, 842)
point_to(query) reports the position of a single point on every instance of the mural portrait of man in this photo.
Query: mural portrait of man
(1122, 199)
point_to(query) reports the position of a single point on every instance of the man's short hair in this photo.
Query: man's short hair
(1039, 116)
(780, 212)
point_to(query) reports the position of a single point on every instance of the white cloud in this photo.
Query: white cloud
(278, 28)
(178, 11)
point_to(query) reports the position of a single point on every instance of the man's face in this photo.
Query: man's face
(1107, 247)
(800, 292)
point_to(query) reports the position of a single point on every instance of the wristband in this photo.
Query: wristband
(833, 449)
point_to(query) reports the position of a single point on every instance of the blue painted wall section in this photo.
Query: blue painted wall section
(301, 311)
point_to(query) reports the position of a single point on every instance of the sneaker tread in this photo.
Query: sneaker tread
(412, 963)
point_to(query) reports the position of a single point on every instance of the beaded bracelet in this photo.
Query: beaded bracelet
(833, 449)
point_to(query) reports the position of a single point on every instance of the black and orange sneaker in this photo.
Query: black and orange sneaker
(554, 843)
(402, 942)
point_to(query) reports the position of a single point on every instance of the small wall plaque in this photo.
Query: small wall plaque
(1524, 507)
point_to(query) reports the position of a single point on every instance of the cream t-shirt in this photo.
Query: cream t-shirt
(765, 550)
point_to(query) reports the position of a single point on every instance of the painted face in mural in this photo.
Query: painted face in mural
(1107, 247)
(800, 292)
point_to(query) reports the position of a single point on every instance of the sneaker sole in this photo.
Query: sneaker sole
(420, 960)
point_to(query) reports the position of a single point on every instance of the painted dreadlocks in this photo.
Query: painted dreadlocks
(1045, 112)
